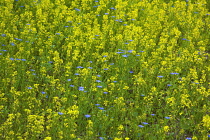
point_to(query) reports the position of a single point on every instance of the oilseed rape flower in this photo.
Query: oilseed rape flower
(104, 69)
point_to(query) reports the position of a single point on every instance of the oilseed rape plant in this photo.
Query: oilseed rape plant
(104, 69)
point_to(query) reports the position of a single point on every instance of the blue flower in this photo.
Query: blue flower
(60, 113)
(106, 69)
(141, 126)
(90, 67)
(43, 92)
(101, 138)
(106, 13)
(76, 74)
(167, 117)
(160, 76)
(97, 104)
(125, 55)
(98, 81)
(152, 114)
(188, 138)
(87, 116)
(0, 53)
(68, 79)
(130, 51)
(185, 39)
(77, 9)
(98, 75)
(81, 89)
(23, 59)
(174, 73)
(71, 85)
(111, 64)
(50, 62)
(145, 123)
(99, 86)
(169, 85)
(105, 92)
(13, 44)
(79, 67)
(112, 8)
(57, 33)
(66, 26)
(3, 35)
(114, 81)
(131, 71)
(29, 87)
(18, 39)
(101, 108)
(119, 52)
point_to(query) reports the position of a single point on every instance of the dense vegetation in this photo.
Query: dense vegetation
(107, 69)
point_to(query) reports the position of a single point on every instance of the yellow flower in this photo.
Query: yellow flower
(47, 138)
(166, 128)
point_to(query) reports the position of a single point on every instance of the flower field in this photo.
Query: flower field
(106, 69)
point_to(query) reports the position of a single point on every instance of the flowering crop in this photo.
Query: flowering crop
(135, 69)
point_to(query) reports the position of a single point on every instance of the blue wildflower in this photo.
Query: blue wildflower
(43, 92)
(125, 55)
(60, 113)
(167, 117)
(81, 89)
(141, 126)
(101, 108)
(29, 87)
(174, 73)
(160, 76)
(3, 35)
(77, 9)
(145, 123)
(13, 44)
(87, 116)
